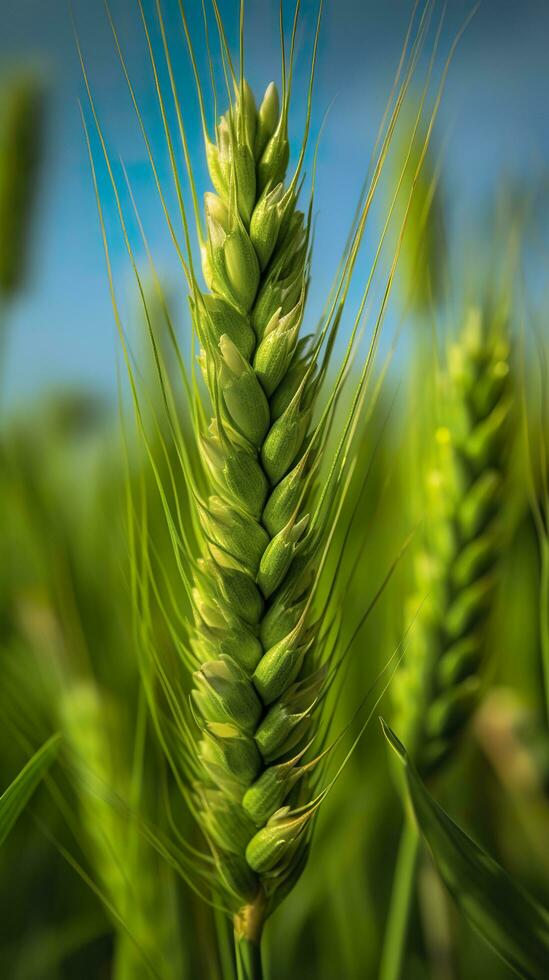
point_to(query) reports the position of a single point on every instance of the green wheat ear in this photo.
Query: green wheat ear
(141, 904)
(254, 616)
(253, 629)
(438, 683)
(262, 644)
(21, 150)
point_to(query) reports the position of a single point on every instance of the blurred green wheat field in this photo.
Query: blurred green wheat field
(429, 857)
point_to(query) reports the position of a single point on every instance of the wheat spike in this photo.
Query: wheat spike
(438, 683)
(252, 634)
(255, 616)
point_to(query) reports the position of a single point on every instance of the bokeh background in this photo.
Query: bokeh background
(67, 656)
(493, 128)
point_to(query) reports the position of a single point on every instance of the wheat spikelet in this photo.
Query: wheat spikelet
(438, 683)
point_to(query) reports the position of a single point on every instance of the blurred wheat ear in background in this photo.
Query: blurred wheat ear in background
(464, 532)
(22, 107)
(138, 894)
(438, 684)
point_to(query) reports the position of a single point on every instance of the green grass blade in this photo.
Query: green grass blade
(500, 910)
(14, 800)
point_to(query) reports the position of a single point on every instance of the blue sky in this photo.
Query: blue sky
(493, 123)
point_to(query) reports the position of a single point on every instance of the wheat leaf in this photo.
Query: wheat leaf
(500, 910)
(15, 798)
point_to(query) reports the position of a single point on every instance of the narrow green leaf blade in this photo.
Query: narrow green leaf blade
(14, 800)
(505, 916)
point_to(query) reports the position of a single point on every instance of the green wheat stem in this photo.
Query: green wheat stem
(225, 945)
(538, 493)
(396, 933)
(248, 959)
(544, 618)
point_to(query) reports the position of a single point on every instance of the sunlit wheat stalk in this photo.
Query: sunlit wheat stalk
(252, 523)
